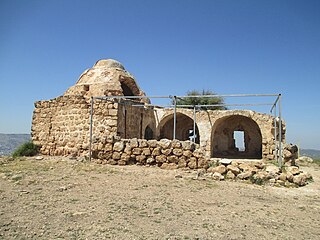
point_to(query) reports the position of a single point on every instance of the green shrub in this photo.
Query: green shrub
(26, 149)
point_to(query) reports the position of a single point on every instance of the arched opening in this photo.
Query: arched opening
(148, 133)
(126, 90)
(229, 132)
(184, 128)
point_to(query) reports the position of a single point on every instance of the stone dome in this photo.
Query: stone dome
(109, 63)
(107, 77)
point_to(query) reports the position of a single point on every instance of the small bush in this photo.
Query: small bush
(26, 149)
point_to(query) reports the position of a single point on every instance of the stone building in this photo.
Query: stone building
(61, 126)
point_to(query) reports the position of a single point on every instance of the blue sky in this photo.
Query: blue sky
(228, 46)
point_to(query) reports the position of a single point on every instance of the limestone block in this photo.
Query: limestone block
(289, 176)
(176, 144)
(152, 143)
(173, 159)
(203, 163)
(108, 147)
(141, 158)
(146, 151)
(125, 157)
(188, 145)
(143, 143)
(193, 163)
(156, 152)
(230, 175)
(164, 143)
(217, 176)
(111, 122)
(272, 169)
(177, 152)
(283, 177)
(166, 151)
(116, 155)
(182, 162)
(294, 170)
(122, 162)
(187, 153)
(247, 167)
(113, 112)
(134, 143)
(136, 151)
(235, 170)
(151, 160)
(220, 169)
(300, 180)
(161, 158)
(245, 175)
(118, 146)
(198, 153)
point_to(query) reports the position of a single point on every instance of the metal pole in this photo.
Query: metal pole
(194, 124)
(280, 134)
(174, 116)
(230, 95)
(208, 105)
(275, 135)
(90, 137)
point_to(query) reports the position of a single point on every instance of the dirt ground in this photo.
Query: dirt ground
(66, 199)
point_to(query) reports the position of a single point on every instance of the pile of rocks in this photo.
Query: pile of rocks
(259, 173)
(167, 154)
(290, 154)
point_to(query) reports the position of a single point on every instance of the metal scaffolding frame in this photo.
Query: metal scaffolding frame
(274, 105)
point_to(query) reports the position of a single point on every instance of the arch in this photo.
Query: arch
(184, 128)
(129, 86)
(126, 90)
(148, 133)
(223, 143)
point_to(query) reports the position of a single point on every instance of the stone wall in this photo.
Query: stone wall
(167, 154)
(213, 132)
(132, 121)
(61, 126)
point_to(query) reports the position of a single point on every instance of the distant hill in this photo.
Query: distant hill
(315, 154)
(9, 142)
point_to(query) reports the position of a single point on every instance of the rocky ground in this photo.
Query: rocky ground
(58, 198)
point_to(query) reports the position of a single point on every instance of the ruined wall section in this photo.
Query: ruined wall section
(167, 154)
(133, 120)
(61, 126)
(207, 122)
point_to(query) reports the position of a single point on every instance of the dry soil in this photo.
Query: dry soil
(66, 199)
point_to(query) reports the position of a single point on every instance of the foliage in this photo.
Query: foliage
(316, 161)
(202, 100)
(26, 149)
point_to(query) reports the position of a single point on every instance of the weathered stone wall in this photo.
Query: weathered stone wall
(61, 126)
(168, 154)
(208, 124)
(132, 121)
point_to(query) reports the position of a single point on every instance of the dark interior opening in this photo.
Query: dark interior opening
(184, 128)
(126, 90)
(148, 133)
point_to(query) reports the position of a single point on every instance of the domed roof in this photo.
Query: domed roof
(109, 63)
(107, 77)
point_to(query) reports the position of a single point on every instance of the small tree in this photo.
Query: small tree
(202, 100)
